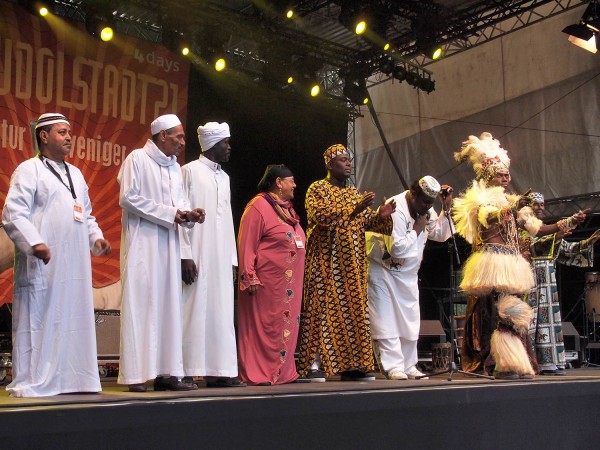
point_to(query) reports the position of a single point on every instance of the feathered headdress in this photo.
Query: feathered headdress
(485, 155)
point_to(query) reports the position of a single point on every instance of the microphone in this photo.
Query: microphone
(447, 190)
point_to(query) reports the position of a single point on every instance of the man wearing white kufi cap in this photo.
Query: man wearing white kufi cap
(393, 283)
(209, 346)
(48, 216)
(154, 207)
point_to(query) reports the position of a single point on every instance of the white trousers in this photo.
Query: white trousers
(396, 353)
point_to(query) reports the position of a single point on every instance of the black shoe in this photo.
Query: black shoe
(506, 375)
(559, 372)
(356, 375)
(138, 387)
(316, 376)
(300, 380)
(225, 382)
(172, 384)
(264, 383)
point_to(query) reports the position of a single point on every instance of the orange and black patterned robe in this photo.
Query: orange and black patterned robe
(335, 323)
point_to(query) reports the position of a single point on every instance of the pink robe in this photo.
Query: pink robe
(268, 321)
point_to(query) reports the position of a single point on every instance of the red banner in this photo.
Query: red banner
(110, 92)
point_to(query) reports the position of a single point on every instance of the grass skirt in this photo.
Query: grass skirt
(496, 268)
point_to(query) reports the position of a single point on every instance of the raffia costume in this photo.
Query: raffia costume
(495, 276)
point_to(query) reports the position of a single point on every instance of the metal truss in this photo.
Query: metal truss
(561, 207)
(256, 39)
(505, 18)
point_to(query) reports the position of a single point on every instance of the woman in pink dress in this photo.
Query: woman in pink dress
(271, 245)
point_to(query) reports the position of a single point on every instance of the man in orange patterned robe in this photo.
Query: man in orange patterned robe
(335, 335)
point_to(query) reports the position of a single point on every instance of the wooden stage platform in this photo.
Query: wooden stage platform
(547, 412)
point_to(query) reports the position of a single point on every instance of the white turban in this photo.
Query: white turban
(211, 133)
(165, 122)
(50, 119)
(430, 186)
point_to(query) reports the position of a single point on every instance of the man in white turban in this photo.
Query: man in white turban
(48, 216)
(393, 283)
(154, 207)
(209, 345)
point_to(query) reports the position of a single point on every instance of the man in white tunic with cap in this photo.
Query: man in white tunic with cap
(394, 263)
(209, 345)
(48, 216)
(154, 207)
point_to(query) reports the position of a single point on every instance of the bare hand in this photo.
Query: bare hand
(387, 208)
(252, 289)
(101, 246)
(189, 271)
(366, 200)
(42, 252)
(197, 215)
(181, 216)
(446, 196)
(579, 216)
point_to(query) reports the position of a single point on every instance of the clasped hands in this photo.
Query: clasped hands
(195, 216)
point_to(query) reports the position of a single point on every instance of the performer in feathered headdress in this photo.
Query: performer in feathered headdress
(496, 275)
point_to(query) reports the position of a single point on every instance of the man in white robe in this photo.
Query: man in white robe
(394, 263)
(48, 216)
(209, 344)
(154, 206)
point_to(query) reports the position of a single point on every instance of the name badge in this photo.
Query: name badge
(298, 241)
(77, 212)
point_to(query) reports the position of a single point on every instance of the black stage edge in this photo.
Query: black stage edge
(489, 415)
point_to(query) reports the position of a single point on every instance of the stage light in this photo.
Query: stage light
(315, 89)
(36, 7)
(289, 14)
(429, 47)
(352, 16)
(386, 46)
(290, 79)
(356, 91)
(387, 66)
(435, 52)
(175, 41)
(586, 33)
(98, 27)
(220, 64)
(399, 73)
(361, 27)
(106, 33)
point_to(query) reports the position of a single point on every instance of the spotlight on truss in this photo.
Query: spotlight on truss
(586, 33)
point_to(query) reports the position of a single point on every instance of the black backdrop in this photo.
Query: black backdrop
(268, 126)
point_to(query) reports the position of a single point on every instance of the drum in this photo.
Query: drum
(592, 298)
(441, 355)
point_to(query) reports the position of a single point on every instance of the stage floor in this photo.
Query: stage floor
(550, 411)
(115, 393)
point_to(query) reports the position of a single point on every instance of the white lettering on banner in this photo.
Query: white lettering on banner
(107, 153)
(96, 150)
(12, 136)
(151, 58)
(90, 86)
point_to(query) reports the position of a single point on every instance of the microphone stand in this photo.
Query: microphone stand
(451, 369)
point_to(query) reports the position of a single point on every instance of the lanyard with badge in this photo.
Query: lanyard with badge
(77, 208)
